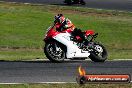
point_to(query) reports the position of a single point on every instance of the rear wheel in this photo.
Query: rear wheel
(99, 54)
(54, 52)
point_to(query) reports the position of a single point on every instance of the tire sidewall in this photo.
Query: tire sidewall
(49, 56)
(96, 58)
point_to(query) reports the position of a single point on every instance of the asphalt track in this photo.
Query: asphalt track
(45, 71)
(100, 4)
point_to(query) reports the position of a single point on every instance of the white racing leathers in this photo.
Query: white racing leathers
(72, 49)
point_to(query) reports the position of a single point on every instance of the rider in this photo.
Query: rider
(63, 24)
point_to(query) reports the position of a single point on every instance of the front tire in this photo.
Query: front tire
(54, 52)
(99, 54)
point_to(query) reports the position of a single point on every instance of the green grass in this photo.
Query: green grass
(67, 86)
(22, 54)
(120, 54)
(23, 26)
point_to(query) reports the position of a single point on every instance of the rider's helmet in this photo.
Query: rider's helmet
(59, 18)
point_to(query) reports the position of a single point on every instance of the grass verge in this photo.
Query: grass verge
(68, 86)
(23, 26)
(21, 54)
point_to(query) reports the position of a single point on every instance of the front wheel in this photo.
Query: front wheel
(54, 52)
(99, 53)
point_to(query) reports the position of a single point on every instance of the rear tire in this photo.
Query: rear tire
(52, 54)
(100, 57)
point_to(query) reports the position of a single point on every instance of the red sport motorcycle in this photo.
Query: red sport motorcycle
(63, 45)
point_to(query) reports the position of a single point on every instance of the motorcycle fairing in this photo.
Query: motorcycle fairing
(50, 33)
(72, 49)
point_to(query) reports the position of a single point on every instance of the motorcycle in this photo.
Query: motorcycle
(56, 50)
(70, 2)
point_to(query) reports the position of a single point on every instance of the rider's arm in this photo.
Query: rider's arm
(68, 24)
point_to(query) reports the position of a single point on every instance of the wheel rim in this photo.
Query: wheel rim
(55, 51)
(99, 51)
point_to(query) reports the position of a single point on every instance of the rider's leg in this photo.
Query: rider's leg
(78, 32)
